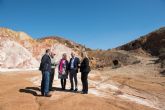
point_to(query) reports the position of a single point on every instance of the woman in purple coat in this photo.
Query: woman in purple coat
(63, 71)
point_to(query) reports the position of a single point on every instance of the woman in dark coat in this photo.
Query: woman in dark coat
(84, 69)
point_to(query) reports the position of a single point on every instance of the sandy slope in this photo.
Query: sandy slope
(135, 87)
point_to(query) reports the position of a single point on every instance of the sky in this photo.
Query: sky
(97, 24)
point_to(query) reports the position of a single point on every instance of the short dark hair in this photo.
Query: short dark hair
(47, 50)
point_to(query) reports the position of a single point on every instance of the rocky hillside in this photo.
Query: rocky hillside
(57, 43)
(14, 49)
(55, 39)
(13, 55)
(111, 58)
(19, 50)
(152, 44)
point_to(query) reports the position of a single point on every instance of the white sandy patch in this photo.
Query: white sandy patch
(98, 93)
(16, 69)
(105, 89)
(138, 100)
(36, 80)
(105, 86)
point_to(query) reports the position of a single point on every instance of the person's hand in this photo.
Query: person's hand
(78, 65)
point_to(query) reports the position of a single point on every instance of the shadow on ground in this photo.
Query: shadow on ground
(66, 90)
(30, 90)
(34, 90)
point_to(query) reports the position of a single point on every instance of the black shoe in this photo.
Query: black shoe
(48, 95)
(63, 88)
(76, 90)
(71, 89)
(84, 92)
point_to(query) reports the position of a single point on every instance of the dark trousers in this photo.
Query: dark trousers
(45, 83)
(63, 83)
(51, 78)
(73, 75)
(84, 79)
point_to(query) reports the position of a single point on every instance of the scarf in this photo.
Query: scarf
(62, 62)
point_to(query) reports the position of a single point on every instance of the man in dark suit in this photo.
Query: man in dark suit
(84, 69)
(45, 68)
(73, 70)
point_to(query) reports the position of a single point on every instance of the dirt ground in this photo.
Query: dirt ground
(134, 87)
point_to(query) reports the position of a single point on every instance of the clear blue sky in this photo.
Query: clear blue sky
(100, 24)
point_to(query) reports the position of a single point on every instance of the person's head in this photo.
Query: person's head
(72, 54)
(64, 56)
(53, 54)
(84, 54)
(48, 51)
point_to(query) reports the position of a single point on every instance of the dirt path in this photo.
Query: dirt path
(125, 88)
(18, 93)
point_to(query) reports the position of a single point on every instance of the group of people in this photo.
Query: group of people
(65, 69)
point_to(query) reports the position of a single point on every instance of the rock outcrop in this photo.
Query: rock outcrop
(13, 55)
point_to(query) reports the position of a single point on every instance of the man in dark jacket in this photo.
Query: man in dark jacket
(84, 69)
(73, 70)
(45, 68)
